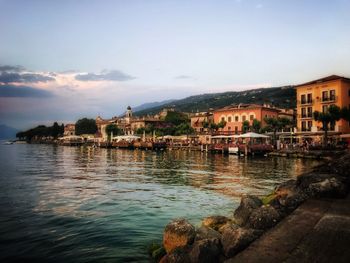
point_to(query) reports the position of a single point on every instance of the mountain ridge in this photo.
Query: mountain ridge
(283, 97)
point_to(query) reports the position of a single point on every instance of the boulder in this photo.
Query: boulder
(247, 205)
(235, 239)
(330, 187)
(178, 233)
(205, 251)
(178, 255)
(206, 233)
(263, 218)
(215, 222)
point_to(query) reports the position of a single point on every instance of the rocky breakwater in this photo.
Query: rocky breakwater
(220, 238)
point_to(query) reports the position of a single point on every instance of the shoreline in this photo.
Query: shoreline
(221, 238)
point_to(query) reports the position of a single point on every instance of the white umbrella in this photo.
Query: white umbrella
(253, 135)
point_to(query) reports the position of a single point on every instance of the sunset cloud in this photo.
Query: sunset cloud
(113, 75)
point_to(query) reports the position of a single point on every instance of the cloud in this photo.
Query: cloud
(183, 77)
(113, 75)
(23, 92)
(11, 68)
(9, 77)
(15, 74)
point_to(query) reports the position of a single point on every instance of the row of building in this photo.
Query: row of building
(312, 96)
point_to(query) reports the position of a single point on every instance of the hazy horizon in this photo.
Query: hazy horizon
(60, 61)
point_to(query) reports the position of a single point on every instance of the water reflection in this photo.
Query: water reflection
(86, 204)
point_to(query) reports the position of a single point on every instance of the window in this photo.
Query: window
(222, 119)
(332, 95)
(236, 130)
(251, 117)
(309, 112)
(229, 128)
(309, 98)
(229, 119)
(243, 118)
(303, 112)
(349, 92)
(324, 108)
(303, 99)
(309, 125)
(324, 95)
(236, 119)
(303, 126)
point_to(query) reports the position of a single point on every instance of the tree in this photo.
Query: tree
(221, 124)
(245, 126)
(55, 130)
(345, 114)
(328, 120)
(85, 126)
(275, 124)
(112, 129)
(184, 128)
(256, 126)
(176, 118)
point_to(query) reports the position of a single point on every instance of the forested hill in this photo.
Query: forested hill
(284, 97)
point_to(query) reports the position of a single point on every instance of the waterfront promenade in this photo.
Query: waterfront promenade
(317, 231)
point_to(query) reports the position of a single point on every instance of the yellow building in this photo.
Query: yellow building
(318, 95)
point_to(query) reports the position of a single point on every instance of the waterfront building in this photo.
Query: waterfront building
(235, 115)
(199, 119)
(318, 95)
(69, 130)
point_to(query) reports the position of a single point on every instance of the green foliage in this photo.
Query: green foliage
(328, 119)
(275, 124)
(345, 114)
(85, 126)
(42, 131)
(205, 124)
(221, 124)
(268, 198)
(176, 118)
(183, 128)
(213, 126)
(256, 126)
(113, 129)
(245, 126)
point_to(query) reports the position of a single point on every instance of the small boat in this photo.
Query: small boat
(8, 143)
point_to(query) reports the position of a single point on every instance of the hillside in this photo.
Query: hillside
(284, 97)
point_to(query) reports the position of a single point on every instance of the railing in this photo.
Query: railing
(305, 102)
(329, 99)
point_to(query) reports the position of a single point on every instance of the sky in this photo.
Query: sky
(63, 60)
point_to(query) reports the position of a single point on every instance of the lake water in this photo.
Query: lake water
(72, 204)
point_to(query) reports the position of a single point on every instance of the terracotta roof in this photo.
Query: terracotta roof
(245, 107)
(329, 78)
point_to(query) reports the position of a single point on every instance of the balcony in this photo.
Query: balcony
(330, 99)
(305, 102)
(305, 116)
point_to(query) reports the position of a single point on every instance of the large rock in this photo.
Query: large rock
(330, 187)
(235, 239)
(287, 197)
(178, 233)
(215, 222)
(206, 251)
(247, 205)
(206, 233)
(263, 218)
(178, 255)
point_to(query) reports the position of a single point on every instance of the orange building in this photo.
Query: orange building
(318, 95)
(235, 115)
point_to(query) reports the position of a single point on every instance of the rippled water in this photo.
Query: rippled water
(72, 204)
